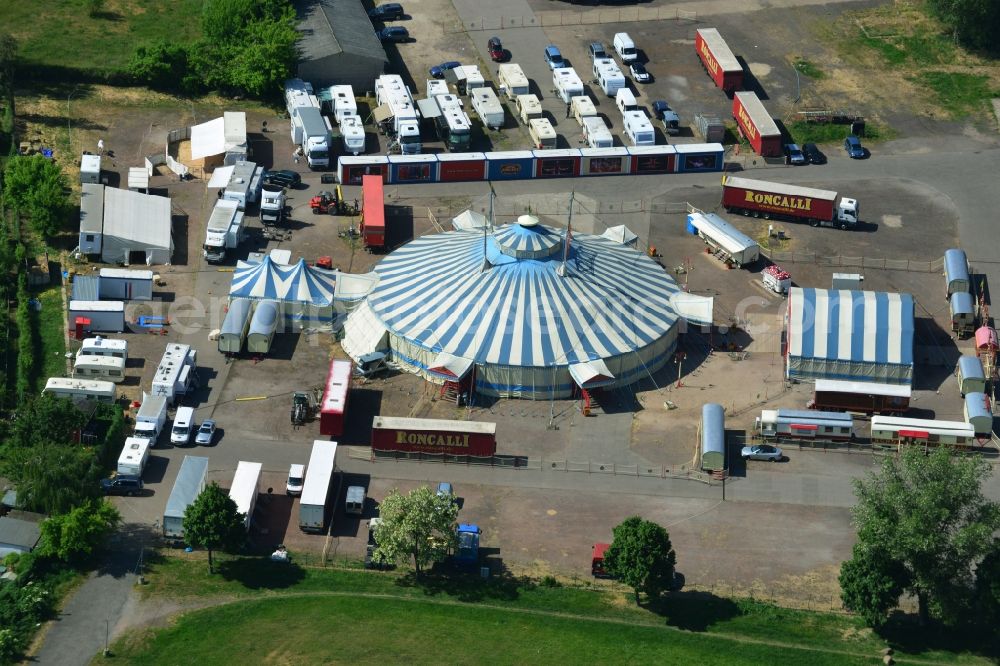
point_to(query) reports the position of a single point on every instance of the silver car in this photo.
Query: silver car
(761, 452)
(206, 433)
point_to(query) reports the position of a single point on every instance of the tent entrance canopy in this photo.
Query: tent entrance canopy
(591, 374)
(382, 113)
(450, 367)
(621, 234)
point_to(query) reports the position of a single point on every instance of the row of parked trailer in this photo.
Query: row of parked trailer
(249, 325)
(190, 482)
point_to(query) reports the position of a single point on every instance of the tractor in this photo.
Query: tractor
(303, 407)
(324, 203)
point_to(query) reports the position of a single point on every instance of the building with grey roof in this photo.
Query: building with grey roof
(339, 44)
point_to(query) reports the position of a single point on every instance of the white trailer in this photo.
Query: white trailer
(245, 488)
(609, 77)
(309, 130)
(107, 368)
(90, 169)
(79, 390)
(437, 87)
(512, 80)
(104, 316)
(487, 105)
(352, 132)
(125, 284)
(734, 245)
(567, 83)
(403, 118)
(638, 129)
(597, 133)
(469, 77)
(583, 107)
(189, 484)
(101, 346)
(245, 184)
(542, 134)
(528, 108)
(226, 230)
(175, 372)
(134, 455)
(343, 102)
(315, 499)
(233, 333)
(151, 417)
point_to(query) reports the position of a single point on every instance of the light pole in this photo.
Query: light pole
(69, 120)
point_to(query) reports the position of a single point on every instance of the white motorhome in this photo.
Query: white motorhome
(469, 77)
(108, 368)
(625, 101)
(226, 230)
(176, 371)
(81, 389)
(343, 102)
(353, 133)
(625, 47)
(436, 87)
(487, 105)
(134, 455)
(101, 346)
(543, 135)
(609, 77)
(583, 107)
(596, 133)
(638, 129)
(512, 80)
(403, 120)
(567, 83)
(528, 108)
(244, 183)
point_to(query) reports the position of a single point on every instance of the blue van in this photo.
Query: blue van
(553, 57)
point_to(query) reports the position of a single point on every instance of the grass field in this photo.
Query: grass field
(52, 362)
(505, 617)
(61, 34)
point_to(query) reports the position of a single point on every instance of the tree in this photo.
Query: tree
(420, 525)
(988, 586)
(923, 527)
(73, 536)
(974, 22)
(161, 65)
(213, 522)
(642, 557)
(8, 59)
(37, 186)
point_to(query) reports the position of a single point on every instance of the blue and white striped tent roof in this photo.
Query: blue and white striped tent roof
(527, 239)
(297, 283)
(611, 299)
(854, 331)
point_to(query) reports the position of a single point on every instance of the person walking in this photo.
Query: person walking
(100, 146)
(568, 108)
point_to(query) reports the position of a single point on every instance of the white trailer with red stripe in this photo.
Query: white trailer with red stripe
(793, 424)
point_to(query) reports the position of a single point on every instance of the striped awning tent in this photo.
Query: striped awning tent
(850, 335)
(522, 321)
(296, 283)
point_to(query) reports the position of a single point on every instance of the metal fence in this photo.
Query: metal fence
(545, 19)
(836, 261)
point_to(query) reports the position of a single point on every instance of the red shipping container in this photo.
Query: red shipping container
(458, 170)
(461, 438)
(333, 407)
(719, 61)
(372, 211)
(756, 124)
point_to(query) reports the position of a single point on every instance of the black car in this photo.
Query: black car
(390, 11)
(394, 33)
(123, 484)
(813, 154)
(283, 178)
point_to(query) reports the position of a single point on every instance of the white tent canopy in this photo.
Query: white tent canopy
(697, 310)
(591, 374)
(221, 176)
(353, 287)
(364, 333)
(469, 219)
(208, 139)
(621, 234)
(450, 366)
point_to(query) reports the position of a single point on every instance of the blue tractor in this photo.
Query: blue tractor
(467, 553)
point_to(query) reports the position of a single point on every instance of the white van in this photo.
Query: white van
(108, 368)
(638, 129)
(625, 47)
(180, 434)
(625, 101)
(296, 476)
(543, 135)
(354, 502)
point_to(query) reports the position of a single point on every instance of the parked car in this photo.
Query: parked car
(553, 57)
(761, 452)
(855, 150)
(206, 433)
(445, 489)
(662, 112)
(123, 484)
(495, 48)
(813, 154)
(390, 11)
(394, 33)
(639, 73)
(282, 178)
(794, 155)
(437, 71)
(296, 474)
(597, 50)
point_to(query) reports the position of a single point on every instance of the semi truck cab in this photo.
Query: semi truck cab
(848, 211)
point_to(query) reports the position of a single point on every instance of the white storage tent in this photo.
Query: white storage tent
(135, 222)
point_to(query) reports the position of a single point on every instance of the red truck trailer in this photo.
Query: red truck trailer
(334, 405)
(758, 198)
(756, 124)
(718, 59)
(867, 397)
(372, 213)
(457, 438)
(597, 553)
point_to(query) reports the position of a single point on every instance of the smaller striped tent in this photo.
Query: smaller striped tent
(850, 335)
(304, 294)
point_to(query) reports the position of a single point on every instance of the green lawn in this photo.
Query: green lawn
(834, 133)
(690, 623)
(51, 332)
(60, 33)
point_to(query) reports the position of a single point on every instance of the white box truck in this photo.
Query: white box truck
(315, 500)
(226, 230)
(638, 129)
(245, 488)
(134, 455)
(596, 133)
(189, 484)
(151, 417)
(512, 80)
(567, 83)
(487, 105)
(272, 205)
